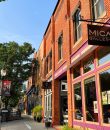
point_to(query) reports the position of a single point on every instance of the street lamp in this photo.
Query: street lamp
(3, 73)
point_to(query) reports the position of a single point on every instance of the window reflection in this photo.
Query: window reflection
(104, 55)
(76, 71)
(77, 24)
(105, 93)
(91, 100)
(78, 101)
(97, 8)
(88, 64)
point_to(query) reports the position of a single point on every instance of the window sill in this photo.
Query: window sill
(105, 124)
(91, 122)
(60, 61)
(78, 120)
(77, 42)
(50, 71)
(100, 17)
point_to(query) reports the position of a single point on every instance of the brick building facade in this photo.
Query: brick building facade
(75, 71)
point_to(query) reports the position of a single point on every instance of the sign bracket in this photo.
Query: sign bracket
(91, 21)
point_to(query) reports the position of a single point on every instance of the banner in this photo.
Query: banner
(6, 84)
(98, 35)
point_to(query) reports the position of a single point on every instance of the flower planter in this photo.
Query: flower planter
(47, 124)
(39, 119)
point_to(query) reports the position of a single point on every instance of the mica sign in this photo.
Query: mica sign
(98, 35)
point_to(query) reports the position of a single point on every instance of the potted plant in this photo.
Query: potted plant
(37, 113)
(39, 118)
(47, 123)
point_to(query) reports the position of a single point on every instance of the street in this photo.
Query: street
(26, 123)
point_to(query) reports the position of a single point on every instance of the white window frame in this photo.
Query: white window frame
(96, 8)
(61, 44)
(48, 102)
(78, 30)
(64, 82)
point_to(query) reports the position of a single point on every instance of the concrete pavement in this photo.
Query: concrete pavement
(27, 123)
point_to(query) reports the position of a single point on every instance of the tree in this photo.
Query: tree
(2, 0)
(16, 60)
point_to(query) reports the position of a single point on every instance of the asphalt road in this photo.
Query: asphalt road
(26, 123)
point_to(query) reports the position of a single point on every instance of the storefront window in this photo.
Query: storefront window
(76, 71)
(78, 101)
(88, 64)
(105, 93)
(104, 55)
(48, 102)
(91, 100)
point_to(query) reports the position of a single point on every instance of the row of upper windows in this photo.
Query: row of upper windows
(103, 56)
(97, 10)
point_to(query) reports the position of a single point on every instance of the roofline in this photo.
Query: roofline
(56, 7)
(52, 15)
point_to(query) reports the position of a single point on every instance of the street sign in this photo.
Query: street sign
(98, 35)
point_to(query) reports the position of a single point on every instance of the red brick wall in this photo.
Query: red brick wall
(62, 21)
(47, 49)
(85, 12)
(48, 38)
(55, 103)
(60, 25)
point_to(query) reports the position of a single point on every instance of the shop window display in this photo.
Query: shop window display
(105, 93)
(78, 101)
(91, 100)
(103, 55)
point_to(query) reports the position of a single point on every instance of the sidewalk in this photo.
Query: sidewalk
(26, 123)
(41, 126)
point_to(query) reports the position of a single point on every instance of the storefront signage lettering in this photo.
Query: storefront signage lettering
(98, 35)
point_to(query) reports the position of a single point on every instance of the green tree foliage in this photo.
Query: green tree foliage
(16, 60)
(2, 0)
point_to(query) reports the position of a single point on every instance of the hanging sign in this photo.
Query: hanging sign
(46, 85)
(98, 35)
(6, 84)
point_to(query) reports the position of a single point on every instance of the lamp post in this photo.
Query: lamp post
(3, 73)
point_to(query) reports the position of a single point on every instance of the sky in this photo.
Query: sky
(25, 20)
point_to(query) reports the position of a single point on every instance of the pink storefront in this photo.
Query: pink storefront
(91, 87)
